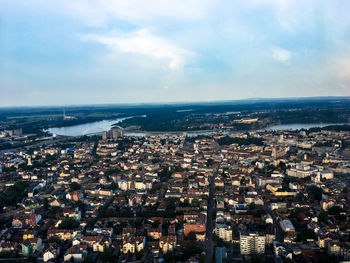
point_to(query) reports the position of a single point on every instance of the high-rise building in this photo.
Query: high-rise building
(251, 243)
(274, 152)
(281, 138)
(18, 132)
(224, 232)
(114, 134)
(104, 135)
(29, 161)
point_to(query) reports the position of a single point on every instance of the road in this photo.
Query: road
(208, 245)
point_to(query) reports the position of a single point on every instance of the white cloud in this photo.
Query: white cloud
(280, 54)
(144, 43)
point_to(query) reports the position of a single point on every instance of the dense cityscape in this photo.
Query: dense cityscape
(259, 196)
(186, 131)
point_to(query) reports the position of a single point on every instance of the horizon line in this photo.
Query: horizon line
(173, 102)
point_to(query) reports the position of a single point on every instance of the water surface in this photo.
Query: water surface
(98, 127)
(298, 126)
(86, 128)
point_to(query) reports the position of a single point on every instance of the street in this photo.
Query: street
(208, 245)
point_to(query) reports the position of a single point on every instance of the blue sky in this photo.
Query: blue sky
(131, 51)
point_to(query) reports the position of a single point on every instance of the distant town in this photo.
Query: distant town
(252, 195)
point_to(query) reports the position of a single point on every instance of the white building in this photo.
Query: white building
(224, 232)
(287, 226)
(301, 170)
(51, 253)
(268, 219)
(140, 185)
(123, 185)
(280, 205)
(327, 175)
(251, 243)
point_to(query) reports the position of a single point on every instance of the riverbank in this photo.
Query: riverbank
(105, 125)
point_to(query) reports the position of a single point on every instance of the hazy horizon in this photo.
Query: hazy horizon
(180, 103)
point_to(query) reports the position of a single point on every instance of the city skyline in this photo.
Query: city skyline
(74, 53)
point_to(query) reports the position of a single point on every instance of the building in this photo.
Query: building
(251, 243)
(167, 243)
(289, 230)
(301, 171)
(104, 135)
(287, 226)
(326, 175)
(246, 120)
(51, 252)
(32, 220)
(188, 228)
(276, 206)
(112, 134)
(76, 253)
(133, 244)
(224, 232)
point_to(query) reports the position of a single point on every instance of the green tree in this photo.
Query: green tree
(165, 174)
(169, 257)
(259, 259)
(171, 204)
(191, 236)
(108, 257)
(74, 186)
(54, 239)
(219, 242)
(89, 259)
(14, 194)
(156, 188)
(305, 235)
(252, 206)
(335, 210)
(315, 192)
(111, 171)
(195, 203)
(323, 217)
(91, 222)
(210, 162)
(113, 186)
(46, 203)
(69, 223)
(139, 254)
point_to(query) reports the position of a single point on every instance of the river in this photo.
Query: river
(89, 128)
(298, 126)
(98, 127)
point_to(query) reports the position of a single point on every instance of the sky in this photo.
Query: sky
(71, 52)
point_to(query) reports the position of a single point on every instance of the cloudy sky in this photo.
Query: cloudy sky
(131, 51)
